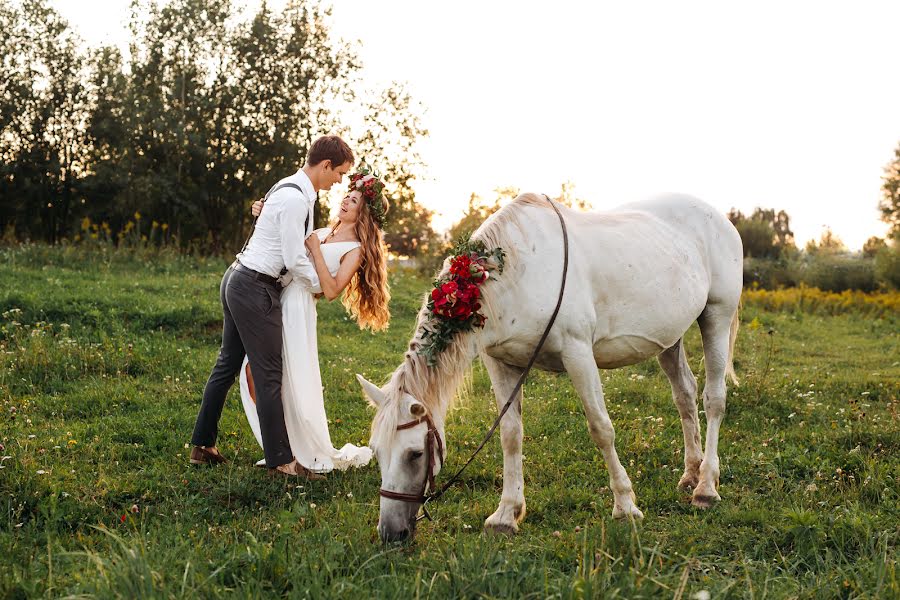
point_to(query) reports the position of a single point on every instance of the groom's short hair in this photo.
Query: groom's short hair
(329, 147)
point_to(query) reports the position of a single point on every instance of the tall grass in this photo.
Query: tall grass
(103, 360)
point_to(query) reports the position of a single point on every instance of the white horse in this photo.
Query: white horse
(638, 277)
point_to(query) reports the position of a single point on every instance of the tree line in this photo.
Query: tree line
(211, 104)
(772, 259)
(207, 109)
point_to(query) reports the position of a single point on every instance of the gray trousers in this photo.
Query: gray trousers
(252, 327)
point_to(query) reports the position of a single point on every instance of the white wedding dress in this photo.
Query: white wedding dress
(301, 383)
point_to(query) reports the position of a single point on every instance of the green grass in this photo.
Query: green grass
(103, 358)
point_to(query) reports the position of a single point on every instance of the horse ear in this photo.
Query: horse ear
(373, 392)
(417, 409)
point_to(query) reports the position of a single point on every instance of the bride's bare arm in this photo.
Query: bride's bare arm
(333, 286)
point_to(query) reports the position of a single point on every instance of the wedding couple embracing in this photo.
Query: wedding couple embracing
(269, 302)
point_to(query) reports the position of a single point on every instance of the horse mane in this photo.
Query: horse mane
(435, 386)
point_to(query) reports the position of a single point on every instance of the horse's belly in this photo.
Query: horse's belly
(610, 353)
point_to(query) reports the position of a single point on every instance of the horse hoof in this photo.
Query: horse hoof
(501, 528)
(631, 514)
(704, 501)
(688, 482)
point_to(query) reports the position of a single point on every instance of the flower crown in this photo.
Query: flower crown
(372, 189)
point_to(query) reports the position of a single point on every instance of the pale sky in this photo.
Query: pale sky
(789, 105)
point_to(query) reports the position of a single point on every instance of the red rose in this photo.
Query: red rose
(473, 292)
(462, 266)
(462, 311)
(457, 298)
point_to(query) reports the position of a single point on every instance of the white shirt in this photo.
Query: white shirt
(278, 239)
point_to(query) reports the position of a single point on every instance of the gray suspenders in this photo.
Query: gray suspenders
(274, 189)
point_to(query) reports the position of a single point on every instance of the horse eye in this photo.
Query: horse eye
(415, 455)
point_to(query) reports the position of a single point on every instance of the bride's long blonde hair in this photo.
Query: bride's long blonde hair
(367, 295)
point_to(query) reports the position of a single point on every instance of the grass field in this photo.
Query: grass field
(103, 358)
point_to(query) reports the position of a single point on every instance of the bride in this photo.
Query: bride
(349, 257)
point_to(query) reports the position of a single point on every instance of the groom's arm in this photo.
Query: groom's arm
(298, 263)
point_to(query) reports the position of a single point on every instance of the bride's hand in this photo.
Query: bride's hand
(256, 208)
(313, 243)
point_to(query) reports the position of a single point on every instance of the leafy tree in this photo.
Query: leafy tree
(107, 136)
(765, 233)
(478, 210)
(567, 196)
(872, 246)
(291, 73)
(889, 205)
(887, 267)
(176, 76)
(757, 237)
(14, 87)
(44, 107)
(387, 143)
(780, 223)
(209, 111)
(828, 244)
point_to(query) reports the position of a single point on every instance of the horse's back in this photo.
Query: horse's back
(694, 232)
(639, 275)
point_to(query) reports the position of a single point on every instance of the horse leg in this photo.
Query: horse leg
(512, 502)
(715, 327)
(583, 372)
(684, 392)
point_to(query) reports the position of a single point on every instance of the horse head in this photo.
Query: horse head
(409, 445)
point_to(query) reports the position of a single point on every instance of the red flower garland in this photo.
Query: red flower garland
(454, 303)
(458, 298)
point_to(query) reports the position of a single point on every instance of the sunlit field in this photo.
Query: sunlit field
(103, 358)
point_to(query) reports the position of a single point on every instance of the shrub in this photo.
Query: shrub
(838, 273)
(814, 301)
(887, 267)
(771, 274)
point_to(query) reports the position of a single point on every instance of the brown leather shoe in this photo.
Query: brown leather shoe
(206, 456)
(295, 469)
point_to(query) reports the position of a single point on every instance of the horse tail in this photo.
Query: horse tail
(732, 336)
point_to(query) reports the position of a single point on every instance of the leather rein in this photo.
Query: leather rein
(434, 447)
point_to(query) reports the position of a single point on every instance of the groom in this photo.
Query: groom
(250, 295)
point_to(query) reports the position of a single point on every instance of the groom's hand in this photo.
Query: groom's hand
(256, 208)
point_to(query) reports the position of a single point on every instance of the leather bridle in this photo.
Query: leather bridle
(434, 447)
